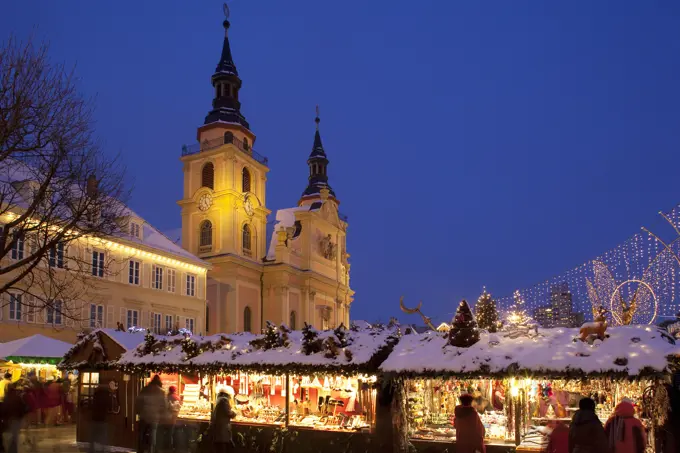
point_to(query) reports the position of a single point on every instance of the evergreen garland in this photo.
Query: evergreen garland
(464, 332)
(486, 312)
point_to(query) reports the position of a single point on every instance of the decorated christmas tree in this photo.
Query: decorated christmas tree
(311, 344)
(518, 322)
(271, 336)
(486, 313)
(464, 332)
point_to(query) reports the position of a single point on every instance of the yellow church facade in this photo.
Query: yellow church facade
(299, 275)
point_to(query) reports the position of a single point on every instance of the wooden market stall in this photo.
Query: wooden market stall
(524, 384)
(296, 390)
(95, 358)
(37, 353)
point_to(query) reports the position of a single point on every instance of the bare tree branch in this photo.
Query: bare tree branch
(59, 193)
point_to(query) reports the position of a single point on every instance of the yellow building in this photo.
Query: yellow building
(139, 279)
(302, 274)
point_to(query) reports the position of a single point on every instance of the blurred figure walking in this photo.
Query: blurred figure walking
(100, 409)
(220, 424)
(150, 407)
(14, 410)
(170, 418)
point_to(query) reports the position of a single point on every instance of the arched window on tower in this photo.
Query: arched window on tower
(208, 176)
(293, 321)
(205, 239)
(228, 137)
(247, 240)
(246, 145)
(247, 320)
(245, 180)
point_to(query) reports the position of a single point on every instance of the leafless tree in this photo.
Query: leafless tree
(60, 195)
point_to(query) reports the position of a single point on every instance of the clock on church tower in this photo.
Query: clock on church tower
(223, 207)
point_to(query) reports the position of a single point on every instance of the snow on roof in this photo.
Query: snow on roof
(244, 351)
(635, 349)
(285, 218)
(126, 340)
(34, 346)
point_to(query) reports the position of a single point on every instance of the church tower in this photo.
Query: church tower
(224, 212)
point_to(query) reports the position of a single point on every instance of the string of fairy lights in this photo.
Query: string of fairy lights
(636, 281)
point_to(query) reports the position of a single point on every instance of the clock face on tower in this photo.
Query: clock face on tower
(248, 206)
(205, 202)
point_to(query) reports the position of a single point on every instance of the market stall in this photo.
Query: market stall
(37, 353)
(95, 358)
(310, 382)
(523, 385)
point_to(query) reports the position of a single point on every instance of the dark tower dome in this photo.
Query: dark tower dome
(318, 167)
(226, 82)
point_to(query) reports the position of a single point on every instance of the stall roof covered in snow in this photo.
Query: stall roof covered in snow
(628, 351)
(34, 347)
(362, 352)
(94, 349)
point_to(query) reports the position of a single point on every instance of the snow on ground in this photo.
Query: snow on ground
(634, 348)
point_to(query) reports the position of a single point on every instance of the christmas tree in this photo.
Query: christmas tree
(487, 315)
(271, 336)
(464, 332)
(518, 322)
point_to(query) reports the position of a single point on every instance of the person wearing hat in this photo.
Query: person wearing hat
(625, 433)
(470, 431)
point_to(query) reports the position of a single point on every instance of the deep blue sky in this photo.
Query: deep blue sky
(471, 142)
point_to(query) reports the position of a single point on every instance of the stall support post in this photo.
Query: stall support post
(517, 402)
(287, 399)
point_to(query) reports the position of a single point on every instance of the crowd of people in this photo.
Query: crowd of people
(29, 403)
(622, 433)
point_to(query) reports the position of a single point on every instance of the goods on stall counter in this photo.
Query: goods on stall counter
(199, 410)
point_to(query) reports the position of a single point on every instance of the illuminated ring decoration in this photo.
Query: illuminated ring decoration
(611, 300)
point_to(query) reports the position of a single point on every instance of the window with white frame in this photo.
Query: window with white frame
(133, 274)
(56, 255)
(135, 230)
(29, 312)
(156, 324)
(54, 315)
(191, 285)
(156, 277)
(171, 280)
(18, 247)
(97, 263)
(168, 323)
(96, 315)
(15, 307)
(132, 318)
(189, 324)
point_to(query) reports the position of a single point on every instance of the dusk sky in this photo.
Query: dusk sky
(471, 143)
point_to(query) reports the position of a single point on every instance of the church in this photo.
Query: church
(300, 275)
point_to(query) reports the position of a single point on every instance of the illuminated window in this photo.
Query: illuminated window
(246, 145)
(293, 320)
(171, 280)
(88, 384)
(247, 315)
(247, 240)
(245, 180)
(98, 264)
(205, 240)
(208, 176)
(156, 277)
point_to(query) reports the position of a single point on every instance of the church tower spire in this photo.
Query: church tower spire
(226, 84)
(318, 168)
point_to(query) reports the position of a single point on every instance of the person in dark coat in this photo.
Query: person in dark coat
(220, 424)
(150, 407)
(586, 434)
(100, 408)
(469, 429)
(14, 409)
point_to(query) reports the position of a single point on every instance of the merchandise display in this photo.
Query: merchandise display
(431, 404)
(331, 403)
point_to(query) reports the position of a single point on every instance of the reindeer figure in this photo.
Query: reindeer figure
(597, 327)
(628, 310)
(411, 311)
